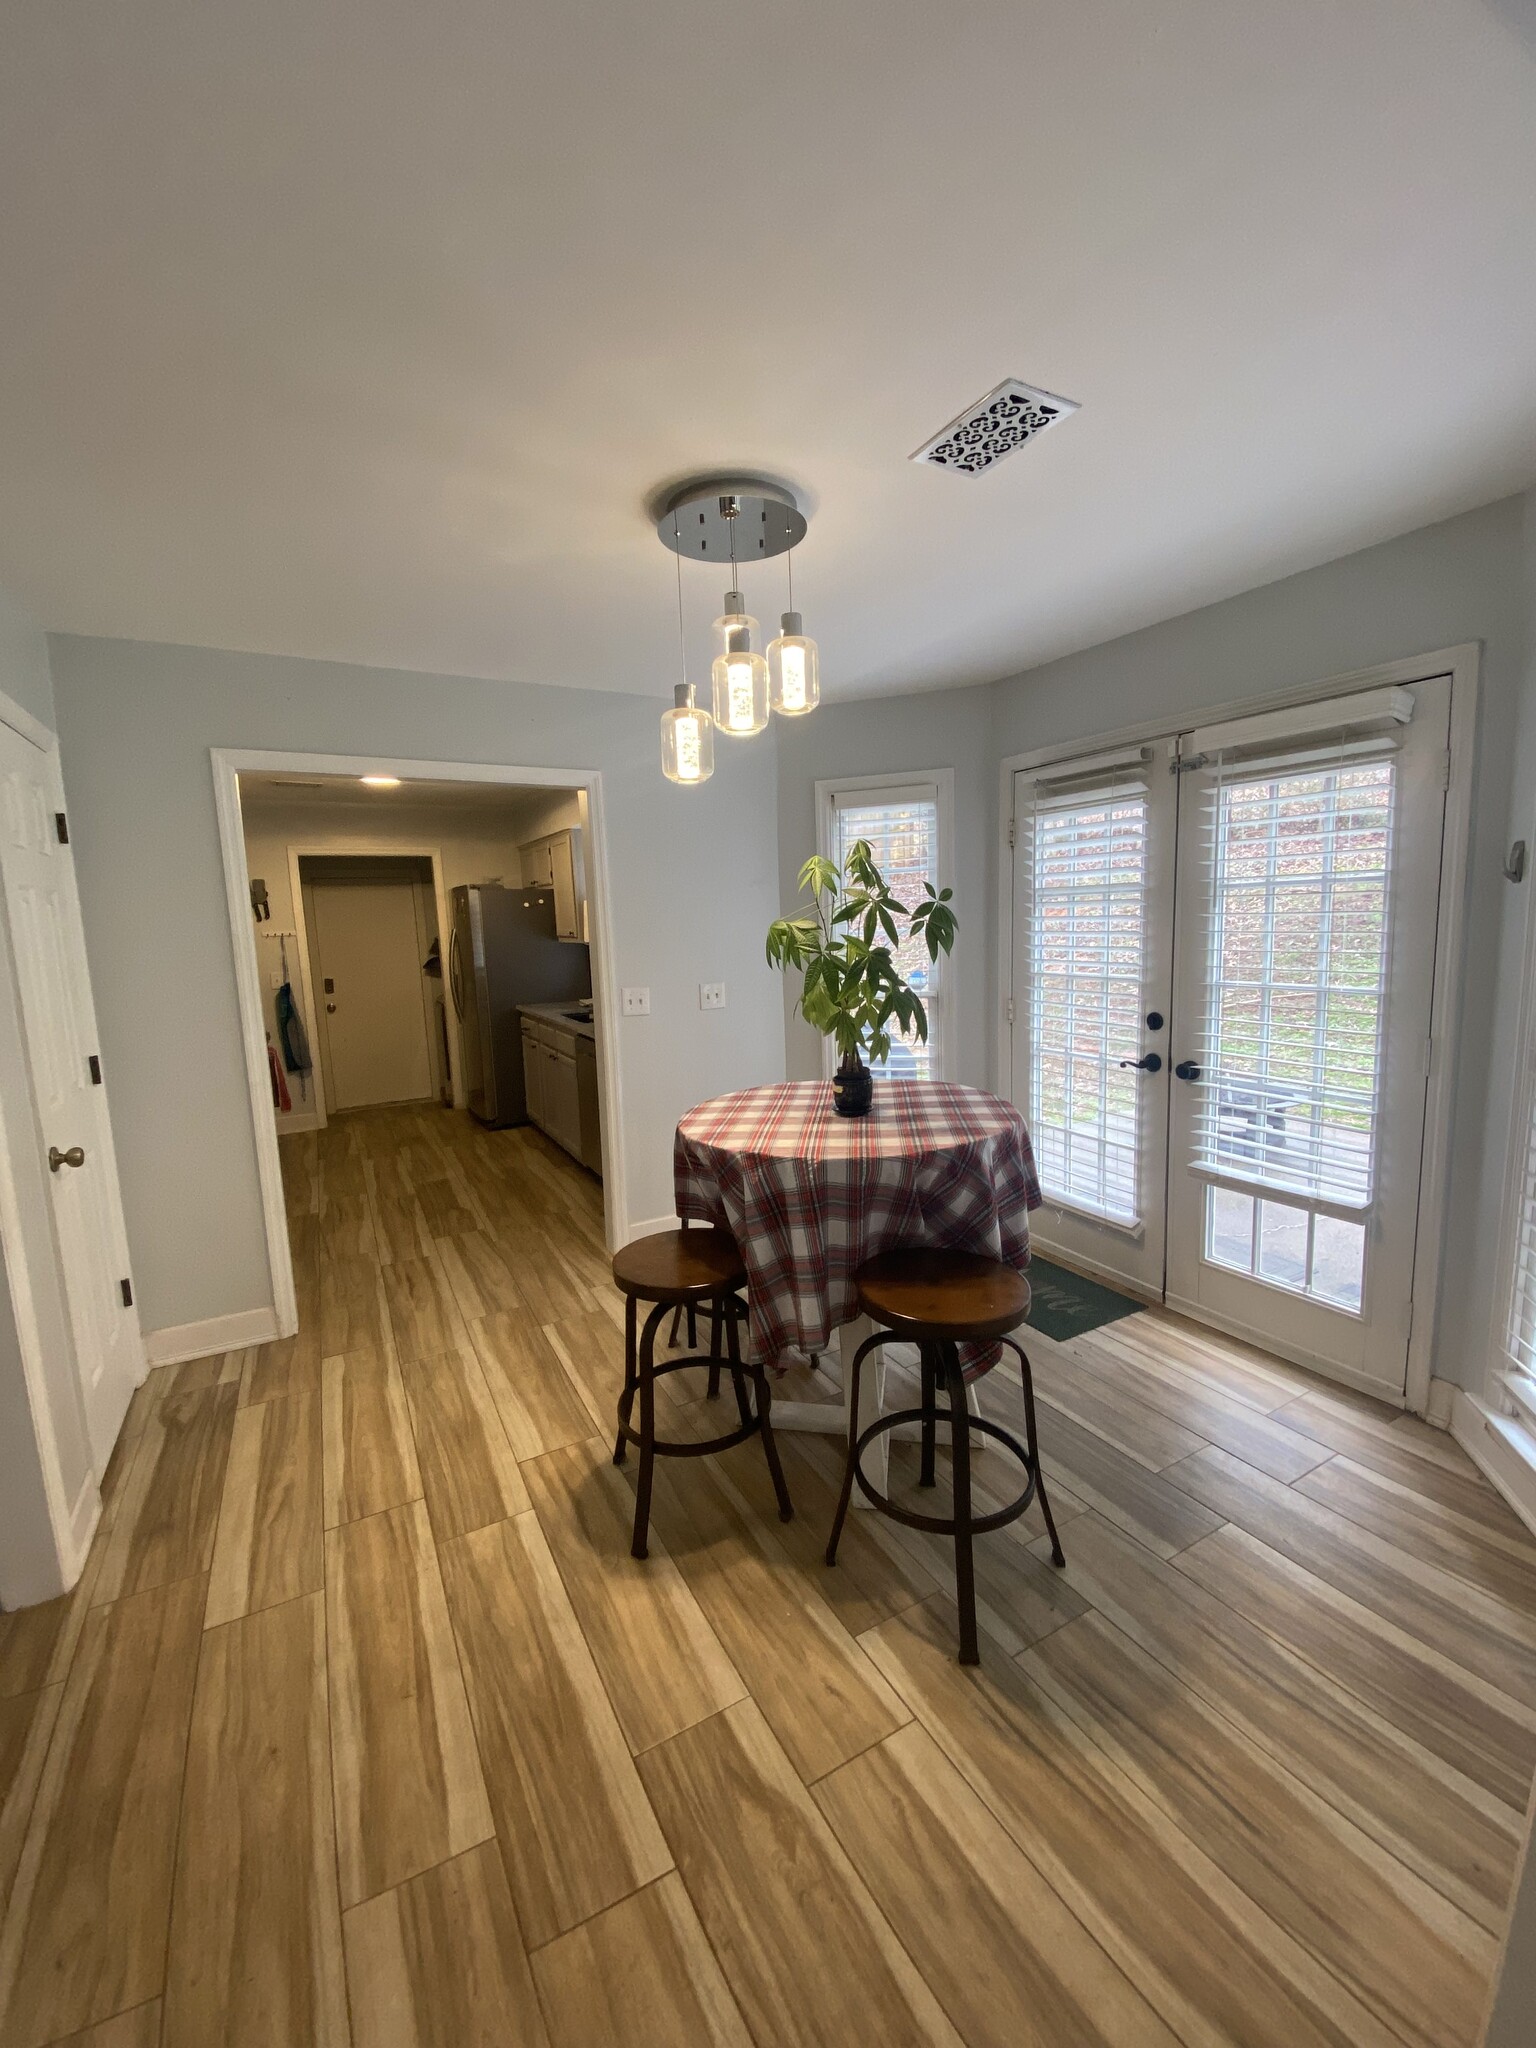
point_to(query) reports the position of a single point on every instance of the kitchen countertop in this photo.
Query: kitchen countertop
(554, 1013)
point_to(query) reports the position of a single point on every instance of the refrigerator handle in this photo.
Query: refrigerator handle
(453, 974)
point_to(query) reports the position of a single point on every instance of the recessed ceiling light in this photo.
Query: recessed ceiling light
(993, 427)
(380, 781)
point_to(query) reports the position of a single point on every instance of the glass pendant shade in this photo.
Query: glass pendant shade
(794, 672)
(735, 619)
(687, 740)
(741, 687)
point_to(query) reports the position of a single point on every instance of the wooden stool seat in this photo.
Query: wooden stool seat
(679, 1266)
(940, 1300)
(942, 1296)
(696, 1270)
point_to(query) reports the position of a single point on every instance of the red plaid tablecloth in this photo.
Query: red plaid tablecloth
(810, 1195)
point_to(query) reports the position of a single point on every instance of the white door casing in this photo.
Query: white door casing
(58, 1018)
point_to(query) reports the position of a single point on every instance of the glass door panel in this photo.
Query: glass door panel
(1308, 881)
(1093, 886)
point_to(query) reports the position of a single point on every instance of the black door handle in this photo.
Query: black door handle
(1152, 1064)
(1188, 1070)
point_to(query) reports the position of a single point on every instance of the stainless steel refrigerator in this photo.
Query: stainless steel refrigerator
(503, 952)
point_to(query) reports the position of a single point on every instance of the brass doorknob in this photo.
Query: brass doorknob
(75, 1156)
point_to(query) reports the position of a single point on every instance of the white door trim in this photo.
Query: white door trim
(320, 850)
(1461, 664)
(228, 764)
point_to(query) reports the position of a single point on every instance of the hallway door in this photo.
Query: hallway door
(369, 947)
(67, 1117)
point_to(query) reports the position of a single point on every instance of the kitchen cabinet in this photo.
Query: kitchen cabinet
(556, 863)
(562, 1103)
(554, 1068)
(533, 1072)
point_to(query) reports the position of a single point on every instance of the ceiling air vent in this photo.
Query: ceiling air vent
(993, 427)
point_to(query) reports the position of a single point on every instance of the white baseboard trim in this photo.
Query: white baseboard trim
(217, 1333)
(1442, 1399)
(1489, 1440)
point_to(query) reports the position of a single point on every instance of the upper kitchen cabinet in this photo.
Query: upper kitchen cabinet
(555, 862)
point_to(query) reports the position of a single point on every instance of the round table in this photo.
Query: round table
(810, 1195)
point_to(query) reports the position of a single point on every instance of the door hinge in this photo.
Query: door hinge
(1013, 831)
(1445, 781)
(61, 826)
(127, 1287)
(94, 1063)
(1010, 1009)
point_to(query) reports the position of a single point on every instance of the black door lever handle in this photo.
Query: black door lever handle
(1152, 1064)
(1187, 1070)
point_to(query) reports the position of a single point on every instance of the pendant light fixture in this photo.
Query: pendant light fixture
(726, 521)
(794, 666)
(687, 733)
(740, 677)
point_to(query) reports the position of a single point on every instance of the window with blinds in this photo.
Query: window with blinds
(902, 827)
(1301, 859)
(1085, 846)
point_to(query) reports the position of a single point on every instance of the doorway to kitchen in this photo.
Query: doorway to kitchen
(1233, 953)
(459, 914)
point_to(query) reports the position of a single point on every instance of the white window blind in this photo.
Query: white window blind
(902, 827)
(1084, 845)
(1300, 853)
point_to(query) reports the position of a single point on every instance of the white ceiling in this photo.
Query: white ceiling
(364, 329)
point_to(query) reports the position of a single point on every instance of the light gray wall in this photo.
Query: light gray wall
(694, 884)
(24, 672)
(1458, 581)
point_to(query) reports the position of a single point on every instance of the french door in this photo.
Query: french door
(1224, 962)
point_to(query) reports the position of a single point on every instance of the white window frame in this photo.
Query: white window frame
(1461, 663)
(942, 782)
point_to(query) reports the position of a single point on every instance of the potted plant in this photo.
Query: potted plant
(845, 946)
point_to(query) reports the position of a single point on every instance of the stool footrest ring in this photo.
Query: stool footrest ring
(942, 1525)
(662, 1447)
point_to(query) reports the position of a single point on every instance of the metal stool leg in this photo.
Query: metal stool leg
(638, 1548)
(765, 1420)
(630, 1312)
(717, 1309)
(1058, 1556)
(677, 1324)
(965, 1572)
(853, 1454)
(929, 1402)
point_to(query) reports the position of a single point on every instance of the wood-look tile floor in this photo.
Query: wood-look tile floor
(363, 1727)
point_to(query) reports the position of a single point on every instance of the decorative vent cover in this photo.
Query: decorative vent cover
(993, 427)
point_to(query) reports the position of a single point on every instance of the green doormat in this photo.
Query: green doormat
(1065, 1304)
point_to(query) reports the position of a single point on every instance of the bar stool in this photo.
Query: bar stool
(686, 1269)
(940, 1300)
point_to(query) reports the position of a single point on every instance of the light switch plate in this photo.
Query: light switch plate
(637, 1002)
(711, 995)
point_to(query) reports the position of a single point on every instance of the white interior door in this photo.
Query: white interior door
(1309, 865)
(1094, 843)
(58, 1018)
(373, 1014)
